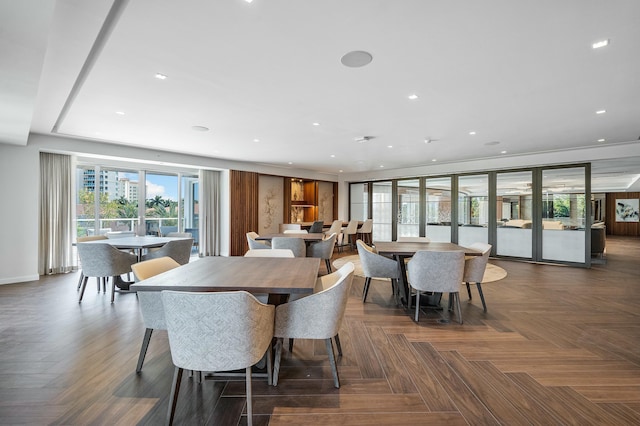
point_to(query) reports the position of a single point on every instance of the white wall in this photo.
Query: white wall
(20, 185)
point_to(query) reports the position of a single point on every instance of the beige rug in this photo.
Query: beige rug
(492, 273)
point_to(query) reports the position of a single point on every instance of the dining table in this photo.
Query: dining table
(278, 277)
(137, 243)
(400, 250)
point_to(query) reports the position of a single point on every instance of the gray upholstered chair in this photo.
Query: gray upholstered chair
(269, 253)
(218, 331)
(255, 244)
(316, 227)
(365, 231)
(438, 272)
(150, 303)
(324, 250)
(84, 240)
(376, 266)
(296, 245)
(178, 250)
(103, 260)
(317, 316)
(474, 267)
(179, 234)
(349, 233)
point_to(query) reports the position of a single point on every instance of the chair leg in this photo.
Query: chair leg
(173, 397)
(80, 281)
(484, 305)
(290, 344)
(249, 406)
(469, 290)
(143, 349)
(269, 365)
(457, 297)
(82, 287)
(365, 290)
(113, 289)
(276, 363)
(332, 361)
(328, 263)
(338, 345)
(417, 304)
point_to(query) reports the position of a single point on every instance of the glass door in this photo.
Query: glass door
(473, 209)
(513, 210)
(408, 208)
(438, 209)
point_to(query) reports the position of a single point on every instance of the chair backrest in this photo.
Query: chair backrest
(295, 231)
(149, 301)
(323, 249)
(437, 271)
(336, 227)
(351, 228)
(413, 239)
(91, 238)
(316, 227)
(180, 234)
(367, 226)
(104, 260)
(296, 245)
(269, 253)
(178, 250)
(101, 231)
(474, 266)
(325, 282)
(375, 265)
(255, 244)
(217, 331)
(284, 226)
(319, 315)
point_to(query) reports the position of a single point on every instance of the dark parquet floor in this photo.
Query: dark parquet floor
(558, 346)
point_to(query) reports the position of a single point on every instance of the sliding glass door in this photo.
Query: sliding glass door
(514, 233)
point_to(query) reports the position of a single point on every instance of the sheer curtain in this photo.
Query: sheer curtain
(56, 218)
(209, 213)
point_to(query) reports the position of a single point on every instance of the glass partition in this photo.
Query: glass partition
(513, 210)
(563, 214)
(473, 209)
(438, 209)
(408, 208)
(382, 211)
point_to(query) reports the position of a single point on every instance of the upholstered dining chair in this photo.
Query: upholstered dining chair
(284, 226)
(295, 231)
(316, 227)
(255, 244)
(336, 228)
(365, 231)
(349, 233)
(474, 267)
(218, 331)
(103, 260)
(178, 250)
(269, 253)
(438, 272)
(150, 302)
(84, 240)
(296, 245)
(324, 250)
(376, 266)
(317, 316)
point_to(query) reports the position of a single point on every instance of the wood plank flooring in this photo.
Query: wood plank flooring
(558, 346)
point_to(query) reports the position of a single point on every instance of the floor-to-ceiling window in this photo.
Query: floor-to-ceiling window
(359, 201)
(382, 210)
(189, 205)
(473, 209)
(438, 208)
(408, 208)
(161, 200)
(514, 233)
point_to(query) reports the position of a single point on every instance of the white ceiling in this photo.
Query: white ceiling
(523, 74)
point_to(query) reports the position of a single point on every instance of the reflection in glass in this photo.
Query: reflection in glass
(473, 209)
(438, 209)
(513, 210)
(359, 198)
(408, 208)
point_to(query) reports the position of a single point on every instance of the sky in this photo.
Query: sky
(162, 185)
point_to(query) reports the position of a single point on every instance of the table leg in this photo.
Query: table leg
(403, 284)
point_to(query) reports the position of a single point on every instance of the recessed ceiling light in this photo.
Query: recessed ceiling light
(200, 128)
(161, 76)
(120, 112)
(434, 160)
(333, 156)
(248, 1)
(290, 162)
(413, 96)
(315, 124)
(602, 111)
(340, 171)
(601, 140)
(381, 166)
(356, 59)
(389, 146)
(472, 133)
(256, 140)
(503, 152)
(599, 44)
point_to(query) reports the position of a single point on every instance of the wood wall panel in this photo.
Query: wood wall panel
(631, 229)
(244, 209)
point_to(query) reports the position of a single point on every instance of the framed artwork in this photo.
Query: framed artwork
(627, 210)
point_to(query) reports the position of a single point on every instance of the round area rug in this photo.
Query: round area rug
(492, 273)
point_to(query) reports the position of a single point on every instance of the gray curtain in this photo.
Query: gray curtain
(56, 217)
(209, 213)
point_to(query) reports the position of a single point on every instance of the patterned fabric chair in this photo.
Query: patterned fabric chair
(376, 266)
(178, 250)
(296, 245)
(439, 272)
(84, 240)
(317, 316)
(474, 267)
(255, 244)
(316, 227)
(219, 331)
(103, 260)
(324, 250)
(150, 303)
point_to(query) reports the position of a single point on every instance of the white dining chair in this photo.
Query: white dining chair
(269, 253)
(256, 244)
(295, 231)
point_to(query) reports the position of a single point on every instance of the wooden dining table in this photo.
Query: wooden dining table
(403, 250)
(279, 277)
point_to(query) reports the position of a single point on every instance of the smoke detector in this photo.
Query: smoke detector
(361, 139)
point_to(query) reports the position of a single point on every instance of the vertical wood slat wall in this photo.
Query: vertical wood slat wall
(244, 209)
(620, 228)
